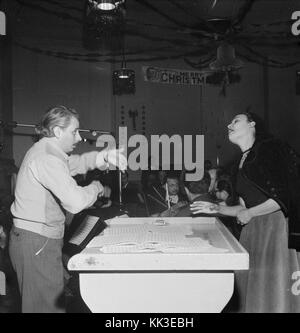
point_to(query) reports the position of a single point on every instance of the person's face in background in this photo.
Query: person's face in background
(207, 165)
(162, 177)
(68, 137)
(173, 186)
(151, 180)
(240, 127)
(222, 195)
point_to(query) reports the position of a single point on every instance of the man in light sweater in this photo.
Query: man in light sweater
(45, 191)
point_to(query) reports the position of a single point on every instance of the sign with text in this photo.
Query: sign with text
(296, 25)
(174, 76)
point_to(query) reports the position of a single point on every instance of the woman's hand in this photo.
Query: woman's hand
(244, 216)
(204, 207)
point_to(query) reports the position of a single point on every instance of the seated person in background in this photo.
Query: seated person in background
(153, 194)
(213, 178)
(129, 189)
(207, 165)
(215, 175)
(149, 178)
(195, 190)
(131, 197)
(104, 178)
(160, 198)
(224, 192)
(162, 177)
(173, 193)
(226, 196)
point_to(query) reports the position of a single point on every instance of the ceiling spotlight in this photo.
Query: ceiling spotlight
(123, 80)
(106, 5)
(124, 72)
(103, 29)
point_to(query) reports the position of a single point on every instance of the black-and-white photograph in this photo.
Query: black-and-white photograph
(149, 159)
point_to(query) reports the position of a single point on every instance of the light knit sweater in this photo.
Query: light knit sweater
(45, 189)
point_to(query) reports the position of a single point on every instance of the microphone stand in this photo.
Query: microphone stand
(14, 124)
(122, 208)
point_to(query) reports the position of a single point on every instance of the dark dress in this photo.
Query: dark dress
(268, 286)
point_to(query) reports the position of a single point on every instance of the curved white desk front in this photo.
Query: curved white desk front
(160, 282)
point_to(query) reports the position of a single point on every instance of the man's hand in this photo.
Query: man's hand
(114, 157)
(99, 186)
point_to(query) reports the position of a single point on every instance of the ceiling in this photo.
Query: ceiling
(149, 30)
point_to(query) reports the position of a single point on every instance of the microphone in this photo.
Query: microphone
(8, 124)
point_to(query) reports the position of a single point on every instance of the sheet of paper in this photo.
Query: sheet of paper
(189, 245)
(84, 229)
(151, 238)
(138, 234)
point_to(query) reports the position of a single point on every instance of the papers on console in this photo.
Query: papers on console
(84, 229)
(151, 238)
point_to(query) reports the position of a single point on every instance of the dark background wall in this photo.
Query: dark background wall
(40, 81)
(33, 81)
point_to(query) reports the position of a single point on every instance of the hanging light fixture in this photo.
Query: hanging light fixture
(102, 29)
(124, 73)
(123, 79)
(226, 60)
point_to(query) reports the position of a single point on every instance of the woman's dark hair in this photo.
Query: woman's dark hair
(260, 128)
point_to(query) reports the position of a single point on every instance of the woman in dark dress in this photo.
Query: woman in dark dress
(268, 187)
